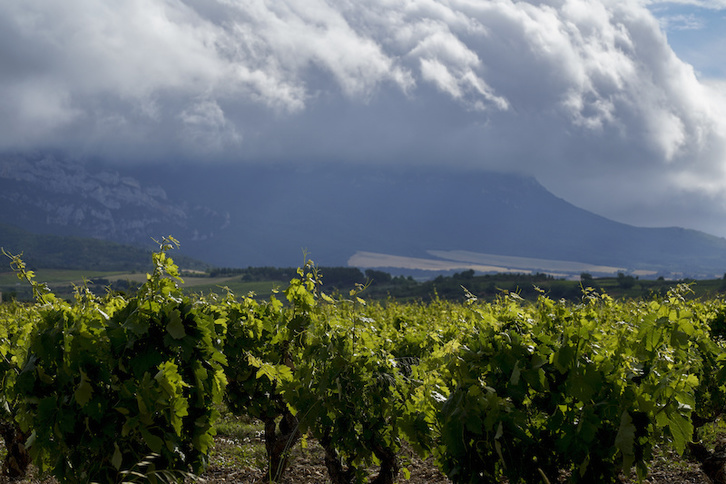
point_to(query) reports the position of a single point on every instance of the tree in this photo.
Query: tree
(377, 277)
(625, 282)
(586, 279)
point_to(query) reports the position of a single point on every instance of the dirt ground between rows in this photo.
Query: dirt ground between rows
(307, 468)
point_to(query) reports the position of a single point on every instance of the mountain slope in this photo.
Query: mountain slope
(77, 253)
(336, 211)
(256, 215)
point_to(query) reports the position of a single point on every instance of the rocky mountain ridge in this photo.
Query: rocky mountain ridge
(51, 195)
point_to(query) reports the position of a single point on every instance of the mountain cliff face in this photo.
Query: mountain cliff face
(255, 215)
(48, 195)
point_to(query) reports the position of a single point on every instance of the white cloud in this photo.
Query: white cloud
(292, 37)
(682, 22)
(206, 128)
(585, 94)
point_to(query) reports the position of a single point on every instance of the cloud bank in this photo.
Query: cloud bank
(586, 95)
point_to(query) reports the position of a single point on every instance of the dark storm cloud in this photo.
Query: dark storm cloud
(586, 95)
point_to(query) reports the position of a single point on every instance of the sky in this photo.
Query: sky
(618, 106)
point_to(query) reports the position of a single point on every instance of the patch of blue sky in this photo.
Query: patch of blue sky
(697, 34)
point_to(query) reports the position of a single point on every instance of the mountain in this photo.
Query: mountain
(426, 214)
(46, 194)
(253, 215)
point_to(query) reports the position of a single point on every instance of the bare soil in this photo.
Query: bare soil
(230, 465)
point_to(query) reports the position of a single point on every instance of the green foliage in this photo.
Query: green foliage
(109, 381)
(504, 389)
(346, 393)
(588, 388)
(83, 253)
(264, 341)
(17, 323)
(255, 352)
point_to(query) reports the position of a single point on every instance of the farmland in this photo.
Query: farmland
(380, 285)
(480, 390)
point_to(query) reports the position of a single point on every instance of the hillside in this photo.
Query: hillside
(78, 253)
(338, 212)
(269, 215)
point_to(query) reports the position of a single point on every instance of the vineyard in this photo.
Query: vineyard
(504, 391)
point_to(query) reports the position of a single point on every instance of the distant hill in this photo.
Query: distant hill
(338, 212)
(267, 215)
(82, 253)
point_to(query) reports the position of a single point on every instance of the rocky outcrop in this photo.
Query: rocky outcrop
(47, 194)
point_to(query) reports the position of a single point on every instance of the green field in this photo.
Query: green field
(63, 281)
(66, 277)
(450, 287)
